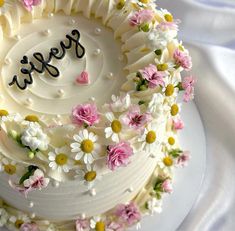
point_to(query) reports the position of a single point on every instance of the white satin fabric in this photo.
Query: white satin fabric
(208, 28)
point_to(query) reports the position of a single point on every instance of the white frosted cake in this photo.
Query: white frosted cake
(88, 112)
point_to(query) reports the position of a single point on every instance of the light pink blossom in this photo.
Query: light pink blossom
(82, 224)
(178, 124)
(35, 182)
(141, 17)
(182, 59)
(128, 213)
(28, 4)
(29, 227)
(135, 119)
(168, 25)
(167, 186)
(85, 114)
(153, 76)
(188, 85)
(115, 226)
(183, 159)
(118, 155)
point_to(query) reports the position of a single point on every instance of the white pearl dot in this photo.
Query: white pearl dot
(97, 52)
(131, 189)
(92, 99)
(60, 93)
(17, 37)
(93, 192)
(72, 21)
(31, 204)
(110, 75)
(47, 32)
(28, 102)
(56, 184)
(33, 215)
(50, 15)
(97, 31)
(58, 116)
(83, 215)
(7, 61)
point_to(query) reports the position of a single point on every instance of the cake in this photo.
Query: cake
(89, 112)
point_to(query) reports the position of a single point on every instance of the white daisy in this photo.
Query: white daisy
(154, 205)
(8, 166)
(60, 159)
(3, 217)
(97, 223)
(52, 227)
(114, 129)
(156, 105)
(16, 221)
(85, 147)
(170, 141)
(166, 164)
(89, 175)
(6, 117)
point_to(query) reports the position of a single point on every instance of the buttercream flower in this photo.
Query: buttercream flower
(121, 103)
(60, 159)
(97, 223)
(114, 128)
(28, 4)
(167, 186)
(34, 138)
(29, 227)
(188, 86)
(156, 105)
(118, 155)
(177, 124)
(141, 17)
(154, 206)
(157, 39)
(85, 114)
(153, 76)
(115, 226)
(182, 59)
(128, 213)
(82, 224)
(183, 159)
(3, 217)
(85, 146)
(135, 119)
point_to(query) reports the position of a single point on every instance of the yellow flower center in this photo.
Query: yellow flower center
(4, 112)
(32, 118)
(87, 146)
(120, 4)
(18, 223)
(171, 140)
(150, 137)
(61, 159)
(168, 17)
(162, 67)
(90, 176)
(169, 90)
(174, 109)
(116, 126)
(168, 161)
(144, 1)
(2, 2)
(100, 226)
(10, 169)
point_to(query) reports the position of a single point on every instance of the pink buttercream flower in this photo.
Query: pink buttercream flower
(29, 227)
(135, 119)
(128, 213)
(188, 85)
(82, 224)
(28, 4)
(167, 186)
(115, 226)
(153, 76)
(85, 114)
(178, 124)
(118, 155)
(183, 159)
(35, 182)
(141, 17)
(182, 59)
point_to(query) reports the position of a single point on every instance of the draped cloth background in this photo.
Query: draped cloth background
(208, 28)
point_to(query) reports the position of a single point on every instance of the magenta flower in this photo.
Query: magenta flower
(167, 186)
(129, 213)
(28, 4)
(178, 124)
(135, 119)
(188, 85)
(85, 114)
(153, 76)
(29, 227)
(182, 59)
(82, 224)
(118, 155)
(183, 159)
(115, 226)
(141, 17)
